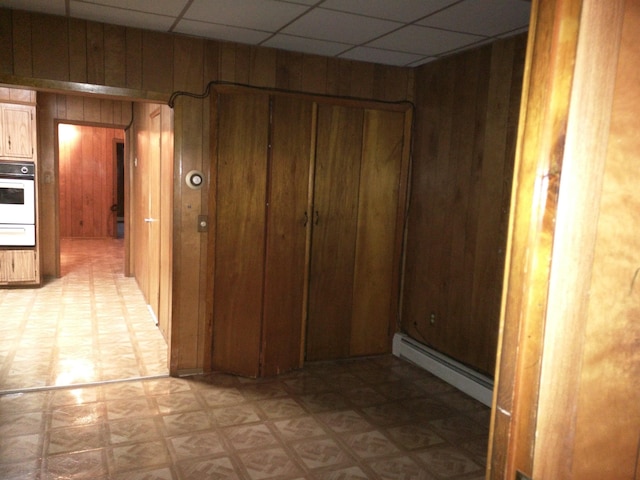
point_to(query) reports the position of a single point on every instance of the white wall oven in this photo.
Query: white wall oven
(17, 204)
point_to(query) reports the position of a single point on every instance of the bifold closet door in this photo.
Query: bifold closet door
(288, 220)
(242, 139)
(333, 242)
(376, 271)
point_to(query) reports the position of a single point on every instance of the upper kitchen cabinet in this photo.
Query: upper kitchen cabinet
(308, 200)
(17, 131)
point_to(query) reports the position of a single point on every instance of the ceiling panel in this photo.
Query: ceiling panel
(221, 32)
(306, 45)
(340, 27)
(392, 32)
(119, 16)
(170, 8)
(53, 7)
(425, 40)
(482, 17)
(398, 10)
(265, 15)
(376, 55)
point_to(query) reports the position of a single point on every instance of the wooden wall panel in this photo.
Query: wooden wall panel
(459, 200)
(6, 39)
(77, 50)
(50, 41)
(22, 44)
(95, 53)
(86, 170)
(115, 65)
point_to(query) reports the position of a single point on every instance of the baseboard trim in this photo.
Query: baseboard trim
(451, 371)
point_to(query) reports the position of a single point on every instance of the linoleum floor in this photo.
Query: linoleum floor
(366, 418)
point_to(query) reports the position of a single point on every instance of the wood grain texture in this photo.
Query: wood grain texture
(242, 140)
(374, 285)
(585, 336)
(461, 177)
(86, 181)
(287, 224)
(337, 176)
(610, 449)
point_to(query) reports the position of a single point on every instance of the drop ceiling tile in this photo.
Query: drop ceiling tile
(301, 2)
(266, 15)
(376, 55)
(118, 16)
(339, 27)
(306, 45)
(482, 17)
(424, 61)
(160, 7)
(53, 7)
(424, 41)
(399, 10)
(221, 32)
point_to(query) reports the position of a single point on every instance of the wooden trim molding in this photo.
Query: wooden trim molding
(573, 47)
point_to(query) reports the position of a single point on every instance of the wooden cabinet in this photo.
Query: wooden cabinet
(19, 266)
(17, 131)
(306, 239)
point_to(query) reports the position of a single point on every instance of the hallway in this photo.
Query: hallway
(91, 325)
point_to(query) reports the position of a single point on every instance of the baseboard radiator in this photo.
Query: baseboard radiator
(463, 378)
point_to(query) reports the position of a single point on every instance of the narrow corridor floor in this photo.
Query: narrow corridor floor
(90, 325)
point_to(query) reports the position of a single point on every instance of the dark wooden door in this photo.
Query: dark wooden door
(242, 145)
(333, 243)
(288, 221)
(377, 253)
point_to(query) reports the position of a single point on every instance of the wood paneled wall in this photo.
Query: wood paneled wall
(86, 167)
(467, 110)
(54, 108)
(55, 53)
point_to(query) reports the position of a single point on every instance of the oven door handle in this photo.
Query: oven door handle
(13, 230)
(16, 184)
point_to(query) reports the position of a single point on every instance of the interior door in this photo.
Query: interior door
(375, 276)
(333, 242)
(288, 218)
(153, 212)
(242, 138)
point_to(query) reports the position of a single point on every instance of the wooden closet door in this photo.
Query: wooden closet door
(337, 173)
(287, 225)
(376, 289)
(242, 144)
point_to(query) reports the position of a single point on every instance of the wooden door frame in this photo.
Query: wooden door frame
(561, 153)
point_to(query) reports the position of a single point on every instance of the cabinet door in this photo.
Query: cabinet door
(376, 275)
(18, 266)
(287, 226)
(337, 176)
(17, 135)
(241, 164)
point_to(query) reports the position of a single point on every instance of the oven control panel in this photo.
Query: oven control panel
(17, 170)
